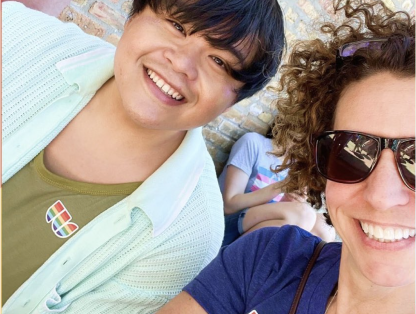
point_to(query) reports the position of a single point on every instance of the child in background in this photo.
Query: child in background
(251, 193)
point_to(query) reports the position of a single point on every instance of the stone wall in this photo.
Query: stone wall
(105, 19)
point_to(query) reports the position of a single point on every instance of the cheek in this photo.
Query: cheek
(118, 75)
(229, 96)
(227, 99)
(342, 194)
(331, 196)
(226, 86)
(336, 196)
(118, 71)
(117, 64)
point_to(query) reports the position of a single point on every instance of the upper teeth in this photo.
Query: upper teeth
(388, 234)
(165, 87)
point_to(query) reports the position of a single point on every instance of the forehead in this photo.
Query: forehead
(382, 104)
(226, 26)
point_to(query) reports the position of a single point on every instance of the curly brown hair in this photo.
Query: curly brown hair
(311, 85)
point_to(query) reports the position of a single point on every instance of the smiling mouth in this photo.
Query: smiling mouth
(163, 86)
(389, 234)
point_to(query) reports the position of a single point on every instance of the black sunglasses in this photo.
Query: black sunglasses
(350, 157)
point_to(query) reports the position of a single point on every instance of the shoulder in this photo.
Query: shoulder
(34, 42)
(16, 15)
(281, 243)
(247, 145)
(251, 138)
(31, 33)
(259, 265)
(274, 249)
(9, 8)
(275, 254)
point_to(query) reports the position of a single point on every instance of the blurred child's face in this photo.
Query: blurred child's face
(168, 79)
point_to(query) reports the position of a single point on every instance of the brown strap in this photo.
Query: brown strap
(305, 276)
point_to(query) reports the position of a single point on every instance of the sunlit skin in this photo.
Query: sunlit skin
(187, 62)
(372, 272)
(131, 124)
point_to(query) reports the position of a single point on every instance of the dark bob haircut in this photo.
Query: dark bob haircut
(228, 24)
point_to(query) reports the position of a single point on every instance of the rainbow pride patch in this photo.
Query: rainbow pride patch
(60, 218)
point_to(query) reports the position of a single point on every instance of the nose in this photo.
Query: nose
(384, 187)
(184, 58)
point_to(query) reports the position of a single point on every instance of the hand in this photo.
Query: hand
(273, 190)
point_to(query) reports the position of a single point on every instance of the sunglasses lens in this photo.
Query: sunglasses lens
(406, 162)
(346, 157)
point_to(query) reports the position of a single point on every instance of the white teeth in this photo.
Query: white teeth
(160, 83)
(388, 234)
(378, 232)
(365, 227)
(165, 87)
(398, 234)
(370, 229)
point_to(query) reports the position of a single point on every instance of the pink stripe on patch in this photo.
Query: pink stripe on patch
(265, 179)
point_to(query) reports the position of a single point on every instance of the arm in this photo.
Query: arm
(234, 197)
(279, 214)
(183, 303)
(227, 284)
(241, 275)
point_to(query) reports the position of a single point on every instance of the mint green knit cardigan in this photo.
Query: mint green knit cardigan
(136, 255)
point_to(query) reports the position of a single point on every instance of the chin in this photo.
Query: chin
(391, 277)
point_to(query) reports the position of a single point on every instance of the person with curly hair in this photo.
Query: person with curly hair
(346, 130)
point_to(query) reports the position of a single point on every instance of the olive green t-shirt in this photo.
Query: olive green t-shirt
(40, 212)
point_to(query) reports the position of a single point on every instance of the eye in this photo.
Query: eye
(178, 27)
(218, 61)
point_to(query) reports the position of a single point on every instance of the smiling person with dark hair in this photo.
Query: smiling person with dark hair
(346, 129)
(110, 198)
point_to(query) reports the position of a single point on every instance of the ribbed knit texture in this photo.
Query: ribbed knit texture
(133, 272)
(34, 85)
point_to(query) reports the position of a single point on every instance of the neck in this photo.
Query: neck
(356, 294)
(103, 137)
(149, 147)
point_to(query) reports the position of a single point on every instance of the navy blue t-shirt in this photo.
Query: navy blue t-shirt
(262, 270)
